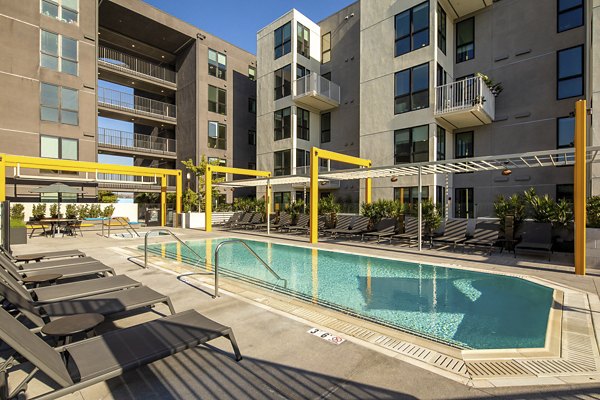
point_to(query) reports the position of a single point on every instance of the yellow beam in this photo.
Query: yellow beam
(580, 186)
(208, 197)
(343, 158)
(2, 178)
(178, 191)
(314, 195)
(239, 171)
(368, 190)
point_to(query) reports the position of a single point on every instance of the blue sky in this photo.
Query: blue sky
(237, 21)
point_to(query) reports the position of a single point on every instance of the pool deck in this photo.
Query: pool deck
(281, 360)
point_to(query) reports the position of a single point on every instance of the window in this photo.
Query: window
(281, 199)
(64, 10)
(463, 146)
(251, 73)
(326, 128)
(465, 40)
(251, 105)
(303, 42)
(441, 78)
(252, 137)
(58, 52)
(59, 104)
(463, 203)
(442, 28)
(302, 162)
(217, 100)
(217, 135)
(326, 48)
(412, 29)
(301, 71)
(570, 73)
(411, 145)
(283, 162)
(59, 148)
(412, 89)
(565, 129)
(283, 124)
(303, 124)
(410, 195)
(283, 40)
(440, 143)
(220, 162)
(570, 14)
(564, 192)
(327, 75)
(217, 64)
(283, 82)
(440, 199)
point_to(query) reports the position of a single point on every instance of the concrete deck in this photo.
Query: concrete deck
(281, 360)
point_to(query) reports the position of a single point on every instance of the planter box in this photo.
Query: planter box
(592, 247)
(18, 235)
(195, 220)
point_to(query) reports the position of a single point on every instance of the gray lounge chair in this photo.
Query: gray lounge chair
(53, 263)
(344, 222)
(263, 225)
(386, 227)
(106, 356)
(536, 236)
(301, 224)
(67, 271)
(255, 219)
(455, 232)
(358, 226)
(411, 231)
(47, 255)
(486, 234)
(244, 219)
(233, 219)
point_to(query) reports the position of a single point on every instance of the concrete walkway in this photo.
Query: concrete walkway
(281, 360)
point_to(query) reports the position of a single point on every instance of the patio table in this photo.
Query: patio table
(57, 222)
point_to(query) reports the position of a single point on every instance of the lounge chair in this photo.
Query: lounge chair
(255, 220)
(66, 271)
(283, 222)
(63, 262)
(343, 222)
(486, 234)
(536, 236)
(301, 224)
(386, 227)
(232, 220)
(46, 255)
(411, 231)
(455, 232)
(107, 356)
(359, 225)
(273, 222)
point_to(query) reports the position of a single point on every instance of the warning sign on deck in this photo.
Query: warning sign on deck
(326, 336)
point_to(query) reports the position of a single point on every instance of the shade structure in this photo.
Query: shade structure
(58, 188)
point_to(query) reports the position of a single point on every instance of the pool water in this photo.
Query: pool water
(463, 308)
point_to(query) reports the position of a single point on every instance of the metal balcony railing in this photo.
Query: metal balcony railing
(317, 84)
(463, 95)
(115, 59)
(135, 104)
(116, 139)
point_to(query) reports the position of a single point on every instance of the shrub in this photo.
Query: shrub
(542, 208)
(328, 205)
(38, 212)
(106, 197)
(54, 210)
(83, 211)
(108, 211)
(17, 212)
(244, 204)
(432, 217)
(71, 211)
(513, 205)
(95, 211)
(593, 212)
(295, 208)
(190, 201)
(563, 213)
(17, 223)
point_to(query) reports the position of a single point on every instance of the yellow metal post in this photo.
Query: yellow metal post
(268, 197)
(2, 177)
(178, 192)
(580, 186)
(368, 190)
(314, 195)
(163, 200)
(208, 198)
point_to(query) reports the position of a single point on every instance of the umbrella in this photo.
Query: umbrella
(58, 188)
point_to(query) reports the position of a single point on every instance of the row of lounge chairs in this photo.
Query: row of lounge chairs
(74, 366)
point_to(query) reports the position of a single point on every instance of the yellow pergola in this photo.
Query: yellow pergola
(22, 162)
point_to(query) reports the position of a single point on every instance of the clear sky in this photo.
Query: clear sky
(237, 21)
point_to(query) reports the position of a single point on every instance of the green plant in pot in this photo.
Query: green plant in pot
(54, 212)
(294, 209)
(432, 217)
(190, 201)
(542, 207)
(83, 211)
(18, 229)
(95, 211)
(514, 205)
(71, 211)
(330, 207)
(108, 211)
(38, 212)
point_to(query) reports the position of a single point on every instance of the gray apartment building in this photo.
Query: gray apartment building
(72, 65)
(410, 81)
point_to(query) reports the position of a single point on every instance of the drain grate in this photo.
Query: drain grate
(313, 316)
(493, 369)
(555, 367)
(351, 329)
(450, 364)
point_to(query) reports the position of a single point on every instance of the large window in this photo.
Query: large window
(412, 29)
(303, 43)
(442, 28)
(217, 135)
(412, 89)
(463, 145)
(440, 143)
(411, 145)
(570, 14)
(64, 10)
(283, 82)
(570, 73)
(565, 132)
(282, 162)
(463, 203)
(410, 195)
(326, 48)
(252, 137)
(302, 161)
(441, 76)
(280, 200)
(283, 40)
(326, 128)
(303, 124)
(217, 100)
(217, 64)
(58, 52)
(465, 40)
(251, 105)
(59, 104)
(283, 123)
(301, 71)
(59, 148)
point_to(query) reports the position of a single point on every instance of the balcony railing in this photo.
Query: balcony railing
(135, 104)
(467, 95)
(115, 139)
(318, 88)
(115, 59)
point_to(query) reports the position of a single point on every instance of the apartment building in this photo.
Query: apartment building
(432, 80)
(80, 65)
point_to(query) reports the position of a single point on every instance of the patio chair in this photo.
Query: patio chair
(244, 219)
(386, 227)
(343, 222)
(486, 234)
(257, 218)
(274, 221)
(34, 226)
(66, 271)
(411, 231)
(233, 219)
(301, 224)
(49, 255)
(359, 225)
(455, 232)
(52, 263)
(536, 236)
(107, 356)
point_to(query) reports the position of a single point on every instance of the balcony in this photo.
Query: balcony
(116, 103)
(465, 103)
(130, 143)
(128, 183)
(121, 68)
(316, 92)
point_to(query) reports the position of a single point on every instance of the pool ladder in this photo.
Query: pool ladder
(219, 246)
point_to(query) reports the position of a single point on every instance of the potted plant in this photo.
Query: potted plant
(38, 212)
(294, 209)
(83, 211)
(108, 211)
(71, 211)
(54, 211)
(95, 211)
(329, 207)
(432, 218)
(514, 206)
(18, 229)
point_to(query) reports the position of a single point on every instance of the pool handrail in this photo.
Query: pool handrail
(231, 241)
(170, 233)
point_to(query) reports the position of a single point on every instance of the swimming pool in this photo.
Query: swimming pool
(466, 309)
